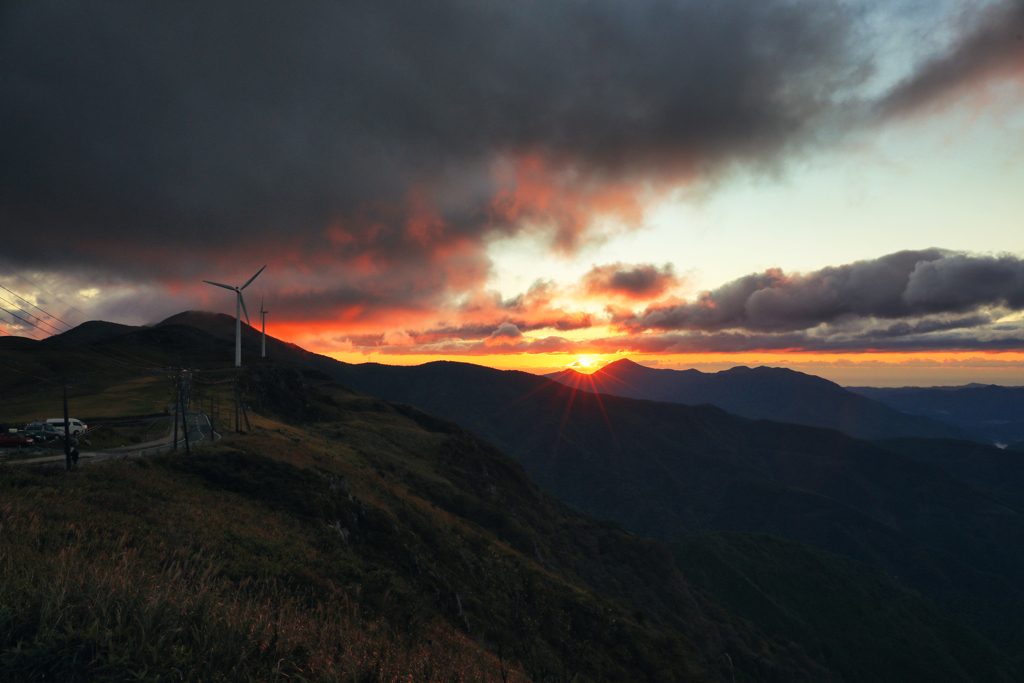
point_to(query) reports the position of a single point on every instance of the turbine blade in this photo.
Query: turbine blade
(252, 278)
(220, 285)
(242, 300)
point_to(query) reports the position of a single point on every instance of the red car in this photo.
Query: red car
(16, 439)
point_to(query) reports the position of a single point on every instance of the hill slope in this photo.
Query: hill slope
(833, 607)
(995, 412)
(766, 393)
(990, 469)
(666, 470)
(88, 332)
(382, 542)
(465, 509)
(222, 327)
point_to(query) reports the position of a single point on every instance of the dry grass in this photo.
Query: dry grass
(112, 436)
(125, 397)
(77, 617)
(123, 573)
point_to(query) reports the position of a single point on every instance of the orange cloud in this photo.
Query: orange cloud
(535, 194)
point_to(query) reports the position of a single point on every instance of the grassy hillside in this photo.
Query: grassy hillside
(105, 379)
(349, 538)
(666, 470)
(378, 544)
(835, 608)
(995, 471)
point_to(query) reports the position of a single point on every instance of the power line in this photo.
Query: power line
(14, 305)
(42, 379)
(22, 320)
(108, 356)
(34, 306)
(8, 268)
(105, 356)
(100, 393)
(200, 381)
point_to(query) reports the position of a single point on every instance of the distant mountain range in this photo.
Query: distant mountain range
(764, 393)
(994, 412)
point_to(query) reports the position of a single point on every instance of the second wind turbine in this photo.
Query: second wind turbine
(239, 309)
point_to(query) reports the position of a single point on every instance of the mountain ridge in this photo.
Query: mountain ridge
(779, 394)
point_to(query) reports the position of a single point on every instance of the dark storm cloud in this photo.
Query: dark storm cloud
(961, 282)
(903, 285)
(926, 326)
(995, 46)
(640, 281)
(145, 135)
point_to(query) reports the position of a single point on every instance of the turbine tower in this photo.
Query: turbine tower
(263, 345)
(239, 309)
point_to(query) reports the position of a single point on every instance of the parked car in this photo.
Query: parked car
(76, 426)
(11, 439)
(43, 431)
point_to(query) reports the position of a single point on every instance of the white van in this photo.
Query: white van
(75, 426)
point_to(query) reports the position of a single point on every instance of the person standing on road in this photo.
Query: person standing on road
(74, 456)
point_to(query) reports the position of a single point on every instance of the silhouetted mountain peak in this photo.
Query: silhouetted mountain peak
(764, 392)
(217, 324)
(624, 364)
(90, 331)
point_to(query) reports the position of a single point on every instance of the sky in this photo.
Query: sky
(834, 187)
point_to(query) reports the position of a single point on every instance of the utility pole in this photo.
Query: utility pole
(184, 424)
(263, 344)
(177, 402)
(67, 428)
(245, 413)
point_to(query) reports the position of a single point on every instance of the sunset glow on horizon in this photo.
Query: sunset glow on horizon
(865, 369)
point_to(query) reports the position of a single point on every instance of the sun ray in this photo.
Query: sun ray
(600, 404)
(604, 377)
(568, 407)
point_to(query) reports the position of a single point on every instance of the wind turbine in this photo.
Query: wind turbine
(263, 315)
(239, 309)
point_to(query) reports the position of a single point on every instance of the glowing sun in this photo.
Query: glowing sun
(584, 364)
